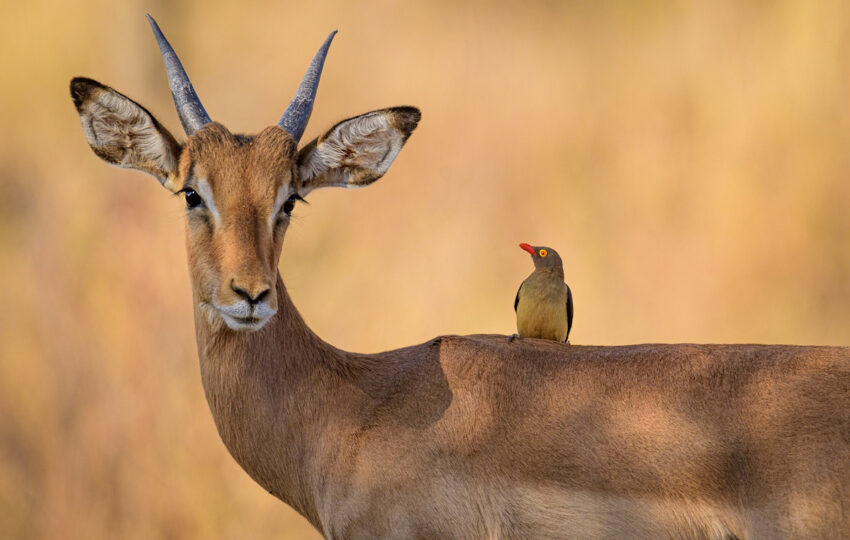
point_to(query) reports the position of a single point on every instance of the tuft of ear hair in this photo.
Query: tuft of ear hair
(356, 151)
(122, 132)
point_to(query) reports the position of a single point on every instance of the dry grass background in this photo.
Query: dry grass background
(688, 160)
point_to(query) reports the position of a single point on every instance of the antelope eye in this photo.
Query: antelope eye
(290, 204)
(193, 200)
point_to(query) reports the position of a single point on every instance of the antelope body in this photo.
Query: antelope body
(467, 436)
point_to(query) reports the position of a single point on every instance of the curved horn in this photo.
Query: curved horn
(189, 108)
(295, 118)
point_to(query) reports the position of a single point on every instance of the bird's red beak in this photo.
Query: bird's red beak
(527, 248)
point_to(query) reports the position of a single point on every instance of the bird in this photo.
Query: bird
(544, 303)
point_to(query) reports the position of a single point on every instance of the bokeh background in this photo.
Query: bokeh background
(690, 162)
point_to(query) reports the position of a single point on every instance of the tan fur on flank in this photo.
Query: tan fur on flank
(472, 436)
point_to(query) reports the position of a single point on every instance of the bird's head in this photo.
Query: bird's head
(544, 257)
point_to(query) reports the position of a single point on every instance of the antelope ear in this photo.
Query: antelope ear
(357, 151)
(123, 133)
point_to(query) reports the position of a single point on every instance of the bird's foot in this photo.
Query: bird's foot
(512, 337)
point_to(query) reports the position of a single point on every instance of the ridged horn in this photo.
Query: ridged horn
(294, 119)
(189, 108)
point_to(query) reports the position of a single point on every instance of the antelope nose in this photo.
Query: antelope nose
(252, 299)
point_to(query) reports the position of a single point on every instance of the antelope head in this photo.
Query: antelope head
(239, 190)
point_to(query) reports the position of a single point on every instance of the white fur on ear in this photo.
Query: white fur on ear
(122, 132)
(354, 153)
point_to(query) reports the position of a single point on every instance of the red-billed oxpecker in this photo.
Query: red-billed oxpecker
(544, 303)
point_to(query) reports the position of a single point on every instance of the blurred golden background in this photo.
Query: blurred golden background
(689, 161)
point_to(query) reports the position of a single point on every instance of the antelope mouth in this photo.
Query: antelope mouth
(249, 323)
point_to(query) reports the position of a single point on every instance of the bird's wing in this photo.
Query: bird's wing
(516, 300)
(569, 311)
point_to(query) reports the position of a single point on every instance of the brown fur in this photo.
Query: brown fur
(245, 174)
(466, 436)
(472, 436)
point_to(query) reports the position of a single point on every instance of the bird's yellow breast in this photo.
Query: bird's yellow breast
(542, 307)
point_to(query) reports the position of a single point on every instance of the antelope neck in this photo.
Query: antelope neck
(272, 394)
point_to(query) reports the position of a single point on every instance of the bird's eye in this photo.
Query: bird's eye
(542, 252)
(193, 200)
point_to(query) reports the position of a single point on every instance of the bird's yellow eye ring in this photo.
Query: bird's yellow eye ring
(542, 252)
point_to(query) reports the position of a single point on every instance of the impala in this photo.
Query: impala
(466, 436)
